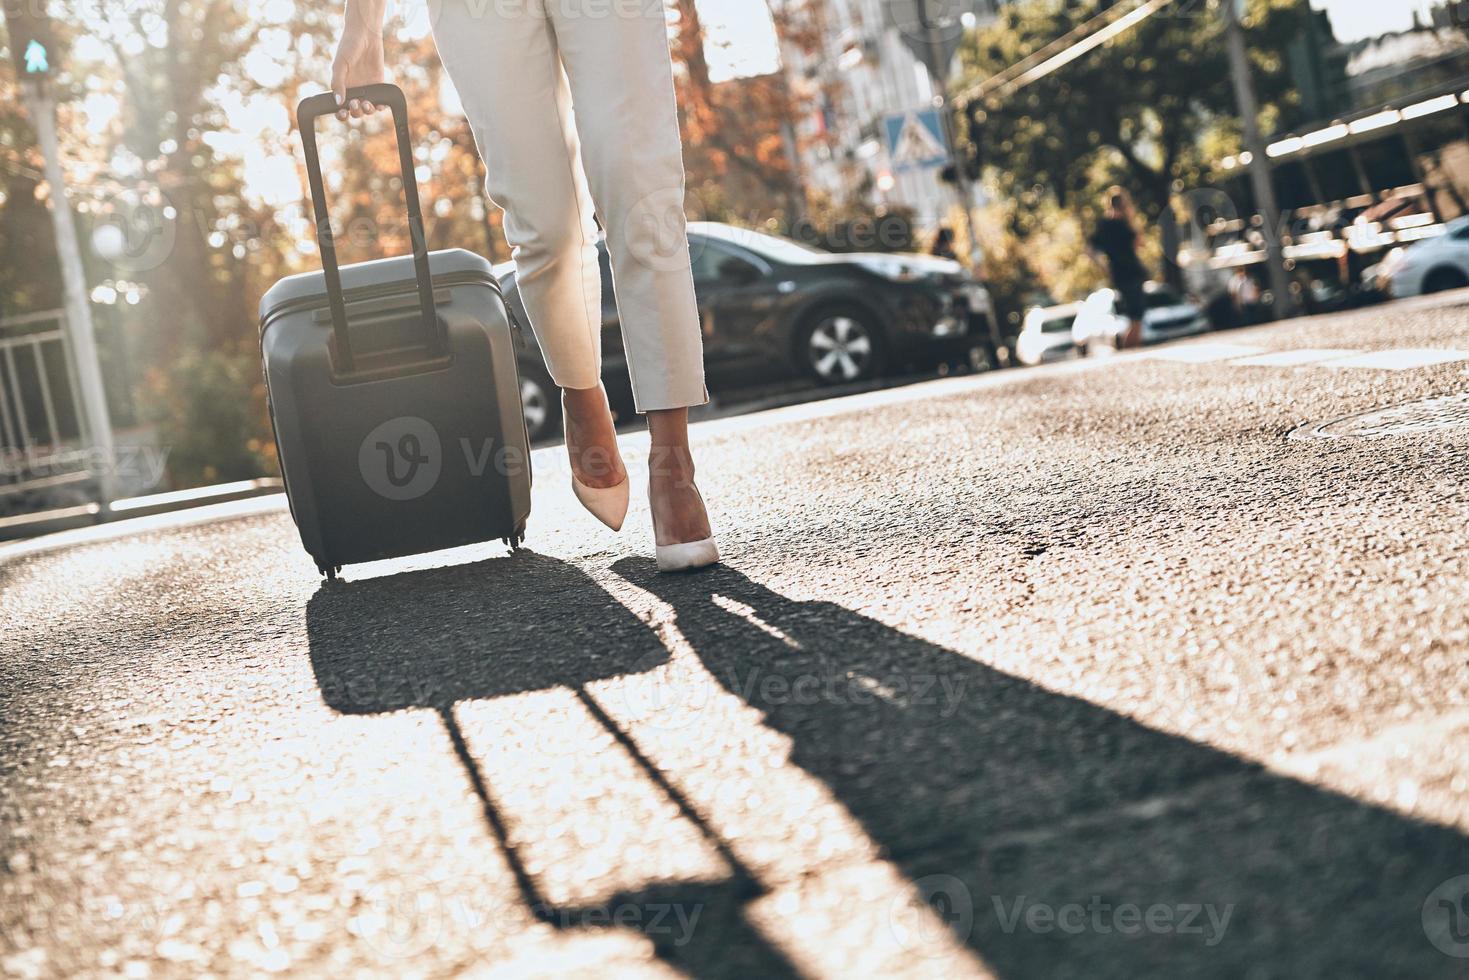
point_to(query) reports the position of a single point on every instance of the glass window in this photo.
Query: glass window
(715, 264)
(706, 259)
(1159, 298)
(771, 246)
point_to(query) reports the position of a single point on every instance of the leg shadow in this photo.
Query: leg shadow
(1033, 818)
(436, 638)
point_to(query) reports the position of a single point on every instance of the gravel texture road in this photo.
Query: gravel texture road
(1090, 670)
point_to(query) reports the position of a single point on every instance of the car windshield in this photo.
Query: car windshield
(1058, 325)
(769, 246)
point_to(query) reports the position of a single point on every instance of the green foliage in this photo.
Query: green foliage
(206, 407)
(855, 225)
(1152, 110)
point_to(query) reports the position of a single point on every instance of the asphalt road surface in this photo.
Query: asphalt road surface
(1090, 670)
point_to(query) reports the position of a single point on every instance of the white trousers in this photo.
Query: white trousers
(572, 106)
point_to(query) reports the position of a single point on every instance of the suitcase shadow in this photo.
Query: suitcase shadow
(431, 639)
(1026, 818)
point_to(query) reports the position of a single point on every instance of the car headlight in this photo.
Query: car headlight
(895, 269)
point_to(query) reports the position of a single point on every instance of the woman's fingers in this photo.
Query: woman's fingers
(357, 109)
(339, 81)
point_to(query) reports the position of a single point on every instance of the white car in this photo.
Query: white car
(1432, 265)
(1046, 334)
(1169, 315)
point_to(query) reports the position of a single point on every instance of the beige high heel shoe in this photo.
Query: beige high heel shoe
(684, 556)
(606, 504)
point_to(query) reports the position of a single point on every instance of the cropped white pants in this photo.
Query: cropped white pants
(572, 106)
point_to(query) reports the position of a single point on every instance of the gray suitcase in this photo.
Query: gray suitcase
(393, 389)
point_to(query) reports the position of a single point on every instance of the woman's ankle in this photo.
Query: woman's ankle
(670, 466)
(585, 404)
(591, 439)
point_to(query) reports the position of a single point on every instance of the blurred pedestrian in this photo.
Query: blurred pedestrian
(1117, 239)
(1170, 231)
(980, 319)
(1244, 297)
(943, 243)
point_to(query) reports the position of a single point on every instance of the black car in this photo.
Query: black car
(771, 306)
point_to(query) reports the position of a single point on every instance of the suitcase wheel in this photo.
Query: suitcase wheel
(330, 571)
(513, 541)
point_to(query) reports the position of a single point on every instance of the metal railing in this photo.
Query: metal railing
(43, 440)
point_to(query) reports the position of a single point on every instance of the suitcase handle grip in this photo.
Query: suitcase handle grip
(314, 106)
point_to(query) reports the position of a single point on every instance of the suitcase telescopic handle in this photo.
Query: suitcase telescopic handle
(380, 94)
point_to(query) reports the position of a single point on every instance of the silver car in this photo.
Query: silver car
(1169, 315)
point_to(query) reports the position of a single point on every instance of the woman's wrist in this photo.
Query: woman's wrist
(366, 15)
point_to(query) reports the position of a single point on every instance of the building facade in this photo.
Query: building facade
(866, 69)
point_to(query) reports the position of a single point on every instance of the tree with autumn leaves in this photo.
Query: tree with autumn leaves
(173, 111)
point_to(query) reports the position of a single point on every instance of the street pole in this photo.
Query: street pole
(1260, 178)
(93, 393)
(938, 71)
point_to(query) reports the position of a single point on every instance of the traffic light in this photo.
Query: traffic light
(976, 117)
(31, 41)
(972, 150)
(971, 170)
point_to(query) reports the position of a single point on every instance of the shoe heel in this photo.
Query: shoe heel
(684, 556)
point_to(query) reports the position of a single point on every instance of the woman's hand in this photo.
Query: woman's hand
(359, 59)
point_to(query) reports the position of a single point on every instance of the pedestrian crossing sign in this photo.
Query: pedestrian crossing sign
(916, 140)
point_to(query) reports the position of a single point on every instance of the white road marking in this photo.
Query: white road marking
(1396, 359)
(1296, 358)
(1403, 359)
(1202, 353)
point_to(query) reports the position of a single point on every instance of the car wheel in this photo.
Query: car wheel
(538, 402)
(1442, 280)
(840, 345)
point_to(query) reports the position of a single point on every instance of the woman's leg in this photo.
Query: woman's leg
(591, 438)
(678, 511)
(621, 77)
(504, 63)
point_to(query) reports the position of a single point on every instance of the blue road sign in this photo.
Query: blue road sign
(916, 140)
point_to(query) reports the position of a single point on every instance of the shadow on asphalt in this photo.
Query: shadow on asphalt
(994, 796)
(431, 639)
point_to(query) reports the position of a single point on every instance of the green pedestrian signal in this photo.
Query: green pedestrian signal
(36, 62)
